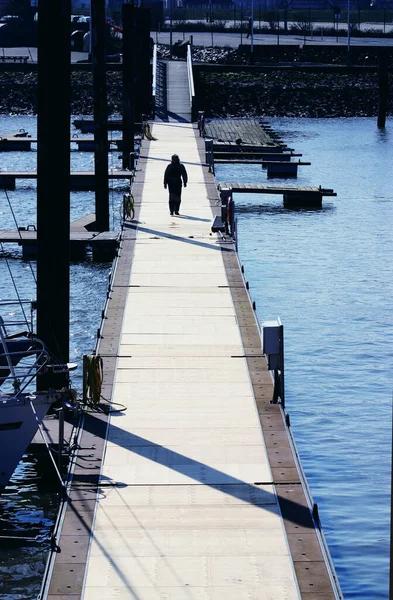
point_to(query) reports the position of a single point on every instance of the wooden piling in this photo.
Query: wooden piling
(53, 181)
(128, 85)
(100, 114)
(383, 87)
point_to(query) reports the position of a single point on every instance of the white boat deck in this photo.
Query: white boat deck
(185, 520)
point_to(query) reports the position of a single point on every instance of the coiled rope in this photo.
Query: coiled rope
(147, 132)
(92, 378)
(93, 374)
(128, 207)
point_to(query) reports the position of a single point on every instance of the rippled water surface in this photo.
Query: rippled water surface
(329, 275)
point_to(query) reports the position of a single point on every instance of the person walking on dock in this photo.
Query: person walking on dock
(174, 174)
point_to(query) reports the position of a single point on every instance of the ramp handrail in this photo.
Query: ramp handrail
(190, 75)
(154, 82)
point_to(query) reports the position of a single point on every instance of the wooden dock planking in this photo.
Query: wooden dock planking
(85, 223)
(249, 131)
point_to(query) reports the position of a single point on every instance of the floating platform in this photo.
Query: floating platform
(275, 168)
(18, 140)
(88, 125)
(280, 169)
(242, 133)
(104, 245)
(239, 156)
(11, 143)
(293, 196)
(83, 180)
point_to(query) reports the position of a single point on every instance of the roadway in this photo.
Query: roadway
(232, 40)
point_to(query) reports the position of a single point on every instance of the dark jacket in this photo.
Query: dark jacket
(174, 173)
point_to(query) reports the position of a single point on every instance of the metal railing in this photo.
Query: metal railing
(17, 316)
(22, 357)
(190, 75)
(154, 83)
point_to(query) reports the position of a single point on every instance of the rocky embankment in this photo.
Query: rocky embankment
(291, 93)
(19, 93)
(236, 93)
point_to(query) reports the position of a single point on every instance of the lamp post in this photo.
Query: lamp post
(241, 24)
(349, 35)
(170, 27)
(252, 27)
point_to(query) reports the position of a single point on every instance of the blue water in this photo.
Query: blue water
(328, 274)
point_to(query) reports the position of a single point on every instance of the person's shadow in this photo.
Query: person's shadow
(190, 218)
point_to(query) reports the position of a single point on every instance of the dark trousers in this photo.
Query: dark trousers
(174, 202)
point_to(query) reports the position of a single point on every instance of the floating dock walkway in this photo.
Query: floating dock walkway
(194, 491)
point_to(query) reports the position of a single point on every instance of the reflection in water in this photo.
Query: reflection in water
(260, 208)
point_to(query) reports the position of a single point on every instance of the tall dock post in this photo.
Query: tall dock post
(142, 72)
(53, 183)
(129, 33)
(100, 115)
(383, 87)
(145, 73)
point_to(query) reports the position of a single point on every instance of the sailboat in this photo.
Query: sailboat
(22, 357)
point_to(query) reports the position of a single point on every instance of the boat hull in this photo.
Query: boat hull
(18, 425)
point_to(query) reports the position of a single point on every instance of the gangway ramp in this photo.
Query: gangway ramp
(178, 93)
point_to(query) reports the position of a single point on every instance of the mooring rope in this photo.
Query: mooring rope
(20, 234)
(39, 423)
(93, 375)
(128, 203)
(148, 133)
(15, 288)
